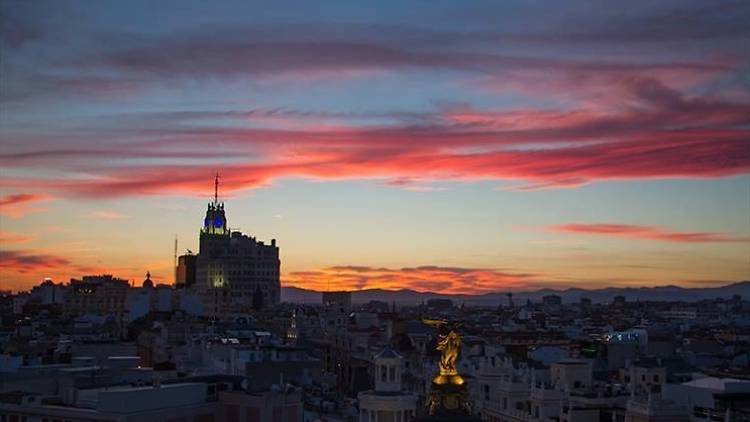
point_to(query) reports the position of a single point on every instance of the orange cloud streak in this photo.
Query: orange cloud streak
(647, 233)
(451, 280)
(21, 269)
(8, 237)
(17, 205)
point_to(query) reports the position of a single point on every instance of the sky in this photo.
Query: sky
(456, 147)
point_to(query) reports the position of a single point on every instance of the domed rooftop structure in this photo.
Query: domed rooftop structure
(148, 283)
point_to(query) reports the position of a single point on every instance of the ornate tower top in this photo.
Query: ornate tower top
(215, 221)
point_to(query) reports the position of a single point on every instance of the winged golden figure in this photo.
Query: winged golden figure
(449, 345)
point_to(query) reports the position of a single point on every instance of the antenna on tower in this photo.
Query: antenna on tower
(216, 188)
(175, 259)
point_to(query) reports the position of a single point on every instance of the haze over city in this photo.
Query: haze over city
(446, 146)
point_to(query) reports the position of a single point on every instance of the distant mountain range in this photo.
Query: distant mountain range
(410, 297)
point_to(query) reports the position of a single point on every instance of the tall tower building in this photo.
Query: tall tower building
(232, 269)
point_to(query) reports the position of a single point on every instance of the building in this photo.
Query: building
(653, 409)
(96, 294)
(215, 398)
(281, 403)
(571, 373)
(48, 293)
(185, 273)
(186, 401)
(681, 313)
(234, 272)
(388, 401)
(551, 300)
(266, 364)
(712, 399)
(439, 304)
(564, 392)
(160, 298)
(340, 299)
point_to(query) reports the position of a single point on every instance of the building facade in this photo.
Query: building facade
(339, 299)
(234, 272)
(96, 294)
(185, 273)
(387, 402)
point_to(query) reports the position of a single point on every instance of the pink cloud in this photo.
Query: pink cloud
(660, 133)
(680, 154)
(109, 215)
(26, 261)
(18, 205)
(647, 233)
(24, 268)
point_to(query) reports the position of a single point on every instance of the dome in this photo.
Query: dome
(147, 283)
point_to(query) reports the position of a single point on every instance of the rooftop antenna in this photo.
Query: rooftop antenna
(216, 188)
(175, 259)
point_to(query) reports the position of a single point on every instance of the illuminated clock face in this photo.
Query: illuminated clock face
(218, 223)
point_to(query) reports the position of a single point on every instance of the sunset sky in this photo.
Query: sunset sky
(460, 147)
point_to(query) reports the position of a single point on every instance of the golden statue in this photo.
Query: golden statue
(449, 345)
(449, 391)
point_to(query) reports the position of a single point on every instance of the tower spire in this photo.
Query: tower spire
(216, 188)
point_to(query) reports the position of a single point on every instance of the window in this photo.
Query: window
(392, 373)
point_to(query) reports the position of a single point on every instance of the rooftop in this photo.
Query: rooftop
(713, 383)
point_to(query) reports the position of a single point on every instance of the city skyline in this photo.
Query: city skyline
(442, 147)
